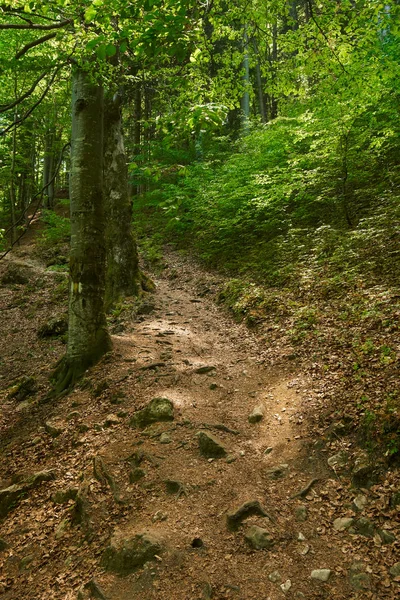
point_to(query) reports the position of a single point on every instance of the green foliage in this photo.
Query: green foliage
(57, 229)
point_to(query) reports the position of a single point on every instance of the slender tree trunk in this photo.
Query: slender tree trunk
(88, 338)
(122, 274)
(260, 88)
(13, 198)
(246, 82)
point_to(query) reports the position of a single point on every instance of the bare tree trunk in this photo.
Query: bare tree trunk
(88, 338)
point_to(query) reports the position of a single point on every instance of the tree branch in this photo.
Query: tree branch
(36, 26)
(5, 108)
(322, 32)
(27, 47)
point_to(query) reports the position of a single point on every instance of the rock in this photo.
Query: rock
(158, 410)
(165, 438)
(83, 428)
(210, 446)
(25, 387)
(111, 420)
(204, 370)
(258, 538)
(125, 555)
(63, 496)
(54, 327)
(146, 308)
(359, 580)
(301, 537)
(213, 386)
(304, 549)
(268, 450)
(91, 589)
(359, 503)
(75, 414)
(54, 429)
(364, 475)
(257, 414)
(277, 472)
(26, 561)
(395, 500)
(343, 523)
(14, 275)
(248, 509)
(175, 487)
(321, 574)
(285, 587)
(339, 460)
(364, 526)
(136, 475)
(231, 458)
(299, 595)
(3, 545)
(301, 513)
(61, 529)
(395, 570)
(387, 537)
(275, 577)
(159, 516)
(11, 496)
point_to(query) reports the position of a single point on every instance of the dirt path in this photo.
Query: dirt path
(162, 485)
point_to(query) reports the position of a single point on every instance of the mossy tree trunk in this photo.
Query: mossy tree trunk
(123, 276)
(88, 338)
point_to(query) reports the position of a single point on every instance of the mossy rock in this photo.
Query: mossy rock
(158, 410)
(259, 538)
(25, 387)
(63, 496)
(14, 275)
(210, 446)
(54, 327)
(125, 555)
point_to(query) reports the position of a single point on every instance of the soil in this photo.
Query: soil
(158, 350)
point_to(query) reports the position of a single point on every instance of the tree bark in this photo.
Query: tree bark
(123, 276)
(88, 338)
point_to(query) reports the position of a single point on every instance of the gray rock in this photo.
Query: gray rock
(247, 509)
(54, 429)
(25, 387)
(364, 474)
(111, 420)
(277, 472)
(125, 555)
(136, 475)
(301, 513)
(359, 503)
(258, 538)
(321, 574)
(275, 577)
(90, 590)
(175, 487)
(165, 438)
(359, 579)
(285, 587)
(339, 460)
(387, 537)
(364, 526)
(210, 446)
(204, 370)
(304, 549)
(343, 523)
(231, 458)
(158, 410)
(257, 414)
(395, 570)
(11, 496)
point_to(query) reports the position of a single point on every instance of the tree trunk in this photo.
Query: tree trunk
(122, 273)
(88, 338)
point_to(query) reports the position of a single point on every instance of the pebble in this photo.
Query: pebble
(275, 577)
(285, 587)
(341, 524)
(321, 574)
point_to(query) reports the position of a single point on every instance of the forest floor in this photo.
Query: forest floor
(100, 478)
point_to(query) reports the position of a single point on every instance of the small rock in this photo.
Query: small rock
(268, 450)
(111, 420)
(275, 577)
(248, 509)
(25, 387)
(301, 537)
(213, 386)
(91, 589)
(125, 555)
(54, 429)
(304, 549)
(277, 472)
(13, 274)
(158, 410)
(259, 538)
(159, 516)
(25, 562)
(165, 438)
(359, 579)
(301, 513)
(136, 474)
(204, 370)
(83, 428)
(341, 524)
(175, 487)
(387, 537)
(73, 415)
(321, 574)
(339, 460)
(359, 503)
(210, 446)
(285, 587)
(395, 570)
(364, 526)
(54, 327)
(257, 414)
(299, 595)
(231, 458)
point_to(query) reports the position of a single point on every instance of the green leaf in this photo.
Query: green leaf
(101, 52)
(111, 50)
(90, 14)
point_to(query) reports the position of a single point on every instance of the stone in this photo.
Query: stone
(204, 370)
(231, 458)
(342, 523)
(301, 513)
(257, 414)
(268, 450)
(299, 595)
(125, 555)
(359, 503)
(359, 579)
(277, 472)
(364, 475)
(3, 545)
(275, 577)
(61, 529)
(63, 496)
(53, 327)
(175, 487)
(25, 387)
(387, 537)
(11, 496)
(165, 438)
(146, 308)
(111, 420)
(339, 460)
(25, 562)
(158, 410)
(213, 386)
(247, 509)
(304, 549)
(54, 429)
(321, 574)
(91, 589)
(136, 475)
(285, 587)
(259, 538)
(395, 570)
(301, 537)
(210, 446)
(75, 414)
(365, 527)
